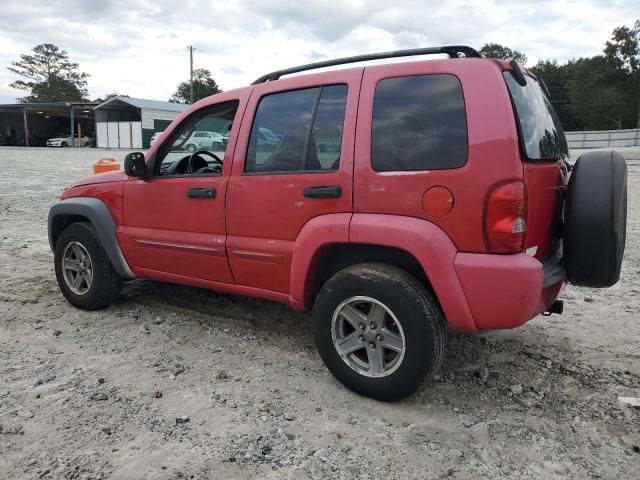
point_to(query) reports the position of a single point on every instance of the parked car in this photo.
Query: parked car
(449, 204)
(66, 141)
(204, 141)
(267, 137)
(154, 137)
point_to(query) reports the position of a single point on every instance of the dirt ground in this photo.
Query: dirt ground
(245, 394)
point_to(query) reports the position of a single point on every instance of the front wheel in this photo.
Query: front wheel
(83, 269)
(378, 330)
(64, 144)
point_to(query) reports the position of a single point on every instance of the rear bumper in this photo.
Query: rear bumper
(505, 291)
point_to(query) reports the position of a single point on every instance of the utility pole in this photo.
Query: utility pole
(638, 125)
(190, 47)
(637, 72)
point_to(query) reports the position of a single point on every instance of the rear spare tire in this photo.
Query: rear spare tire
(596, 219)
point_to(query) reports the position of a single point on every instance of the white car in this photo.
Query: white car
(204, 141)
(66, 141)
(154, 137)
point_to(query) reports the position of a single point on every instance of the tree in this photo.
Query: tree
(599, 93)
(623, 51)
(556, 77)
(203, 86)
(495, 50)
(49, 76)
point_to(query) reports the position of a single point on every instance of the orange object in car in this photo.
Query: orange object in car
(105, 165)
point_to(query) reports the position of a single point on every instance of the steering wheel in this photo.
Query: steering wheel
(191, 167)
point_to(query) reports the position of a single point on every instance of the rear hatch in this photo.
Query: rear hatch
(543, 148)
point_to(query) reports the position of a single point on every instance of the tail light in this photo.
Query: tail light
(505, 218)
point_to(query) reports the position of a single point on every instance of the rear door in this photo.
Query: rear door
(433, 138)
(293, 162)
(411, 137)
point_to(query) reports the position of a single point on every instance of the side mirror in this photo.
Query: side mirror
(134, 165)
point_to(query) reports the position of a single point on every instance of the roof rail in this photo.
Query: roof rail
(454, 51)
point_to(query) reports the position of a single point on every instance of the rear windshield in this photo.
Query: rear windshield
(541, 134)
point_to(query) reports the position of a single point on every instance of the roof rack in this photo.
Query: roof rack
(454, 51)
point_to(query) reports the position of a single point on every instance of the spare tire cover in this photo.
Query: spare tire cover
(596, 219)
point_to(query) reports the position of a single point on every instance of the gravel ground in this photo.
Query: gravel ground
(243, 392)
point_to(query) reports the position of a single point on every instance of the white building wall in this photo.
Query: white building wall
(102, 134)
(115, 130)
(119, 135)
(149, 115)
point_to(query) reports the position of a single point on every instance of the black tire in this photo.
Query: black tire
(191, 148)
(64, 144)
(106, 284)
(415, 309)
(596, 219)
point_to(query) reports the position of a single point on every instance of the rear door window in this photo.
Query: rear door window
(299, 130)
(419, 123)
(541, 135)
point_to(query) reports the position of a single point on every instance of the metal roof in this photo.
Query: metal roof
(115, 102)
(49, 107)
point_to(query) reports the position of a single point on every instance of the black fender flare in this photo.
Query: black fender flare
(97, 213)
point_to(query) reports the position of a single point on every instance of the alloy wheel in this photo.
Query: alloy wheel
(368, 336)
(77, 268)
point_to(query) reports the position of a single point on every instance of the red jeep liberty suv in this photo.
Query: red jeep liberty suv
(392, 201)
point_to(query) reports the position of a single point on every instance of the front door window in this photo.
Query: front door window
(198, 147)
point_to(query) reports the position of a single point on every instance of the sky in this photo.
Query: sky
(139, 47)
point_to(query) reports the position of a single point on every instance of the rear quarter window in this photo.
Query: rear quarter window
(419, 123)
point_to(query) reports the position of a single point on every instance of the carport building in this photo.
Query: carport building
(31, 124)
(125, 122)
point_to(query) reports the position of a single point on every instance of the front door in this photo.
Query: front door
(293, 162)
(175, 221)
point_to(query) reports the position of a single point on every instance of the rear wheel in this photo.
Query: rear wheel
(378, 330)
(83, 269)
(191, 148)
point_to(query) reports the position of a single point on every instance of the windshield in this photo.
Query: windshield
(541, 134)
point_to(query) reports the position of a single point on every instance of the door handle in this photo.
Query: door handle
(201, 192)
(332, 191)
